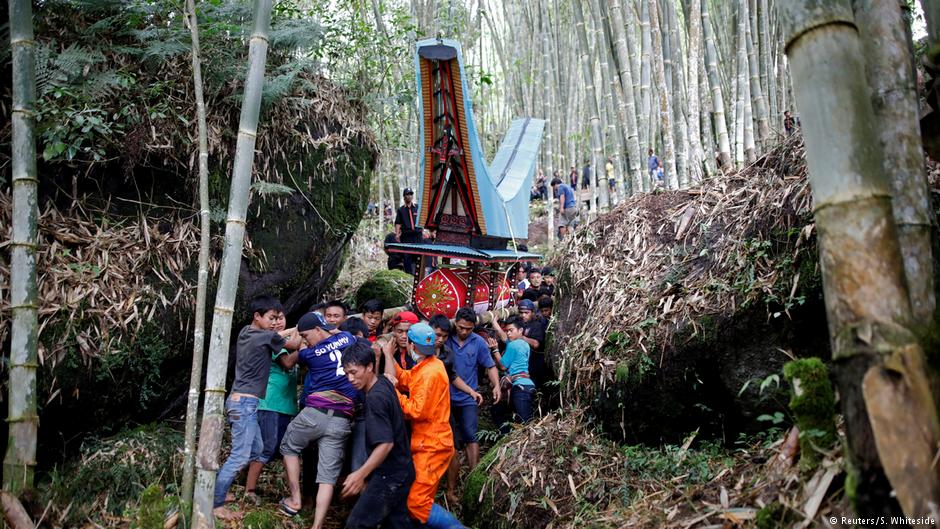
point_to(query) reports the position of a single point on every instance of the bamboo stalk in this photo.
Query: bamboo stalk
(879, 364)
(718, 103)
(894, 100)
(19, 462)
(665, 110)
(213, 421)
(199, 332)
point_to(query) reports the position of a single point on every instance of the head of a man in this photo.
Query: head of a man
(359, 365)
(548, 275)
(400, 325)
(464, 321)
(266, 313)
(441, 326)
(546, 306)
(355, 326)
(313, 328)
(408, 195)
(786, 113)
(535, 277)
(421, 339)
(515, 328)
(526, 310)
(334, 312)
(372, 314)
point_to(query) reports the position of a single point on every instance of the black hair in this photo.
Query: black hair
(337, 303)
(556, 181)
(548, 271)
(546, 302)
(355, 325)
(516, 322)
(263, 303)
(533, 270)
(373, 305)
(439, 321)
(466, 314)
(359, 354)
(317, 307)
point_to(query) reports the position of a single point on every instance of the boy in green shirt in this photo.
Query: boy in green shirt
(275, 411)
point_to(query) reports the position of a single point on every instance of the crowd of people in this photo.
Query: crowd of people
(383, 410)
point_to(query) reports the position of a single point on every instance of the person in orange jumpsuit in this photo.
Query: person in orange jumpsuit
(427, 406)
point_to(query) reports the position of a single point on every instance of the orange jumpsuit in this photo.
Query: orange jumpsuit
(432, 443)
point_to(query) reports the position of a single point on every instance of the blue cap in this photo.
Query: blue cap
(526, 304)
(423, 336)
(312, 320)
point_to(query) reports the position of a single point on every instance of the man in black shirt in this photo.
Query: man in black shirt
(536, 288)
(389, 468)
(405, 228)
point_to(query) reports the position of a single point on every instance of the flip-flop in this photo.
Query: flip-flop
(284, 509)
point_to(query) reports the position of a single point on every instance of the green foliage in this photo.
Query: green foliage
(772, 516)
(261, 520)
(106, 69)
(391, 287)
(153, 508)
(118, 468)
(813, 404)
(663, 464)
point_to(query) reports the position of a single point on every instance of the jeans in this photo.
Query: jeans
(383, 501)
(441, 518)
(522, 397)
(246, 443)
(273, 425)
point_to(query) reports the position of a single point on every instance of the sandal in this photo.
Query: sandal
(286, 510)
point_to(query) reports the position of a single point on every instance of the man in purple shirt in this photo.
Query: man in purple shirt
(326, 417)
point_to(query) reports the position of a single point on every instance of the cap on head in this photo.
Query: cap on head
(526, 304)
(313, 320)
(423, 337)
(407, 191)
(405, 316)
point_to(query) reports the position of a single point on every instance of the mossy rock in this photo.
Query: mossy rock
(812, 403)
(477, 511)
(391, 287)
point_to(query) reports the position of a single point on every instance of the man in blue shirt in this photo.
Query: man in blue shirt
(327, 415)
(470, 353)
(567, 207)
(654, 164)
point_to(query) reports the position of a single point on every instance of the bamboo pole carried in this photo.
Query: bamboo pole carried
(19, 462)
(213, 420)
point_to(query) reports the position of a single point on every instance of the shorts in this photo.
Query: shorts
(330, 433)
(273, 425)
(569, 217)
(463, 422)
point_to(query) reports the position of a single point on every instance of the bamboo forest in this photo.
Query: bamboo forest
(490, 264)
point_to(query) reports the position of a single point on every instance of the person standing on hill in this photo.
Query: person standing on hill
(567, 208)
(586, 175)
(573, 177)
(406, 229)
(654, 165)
